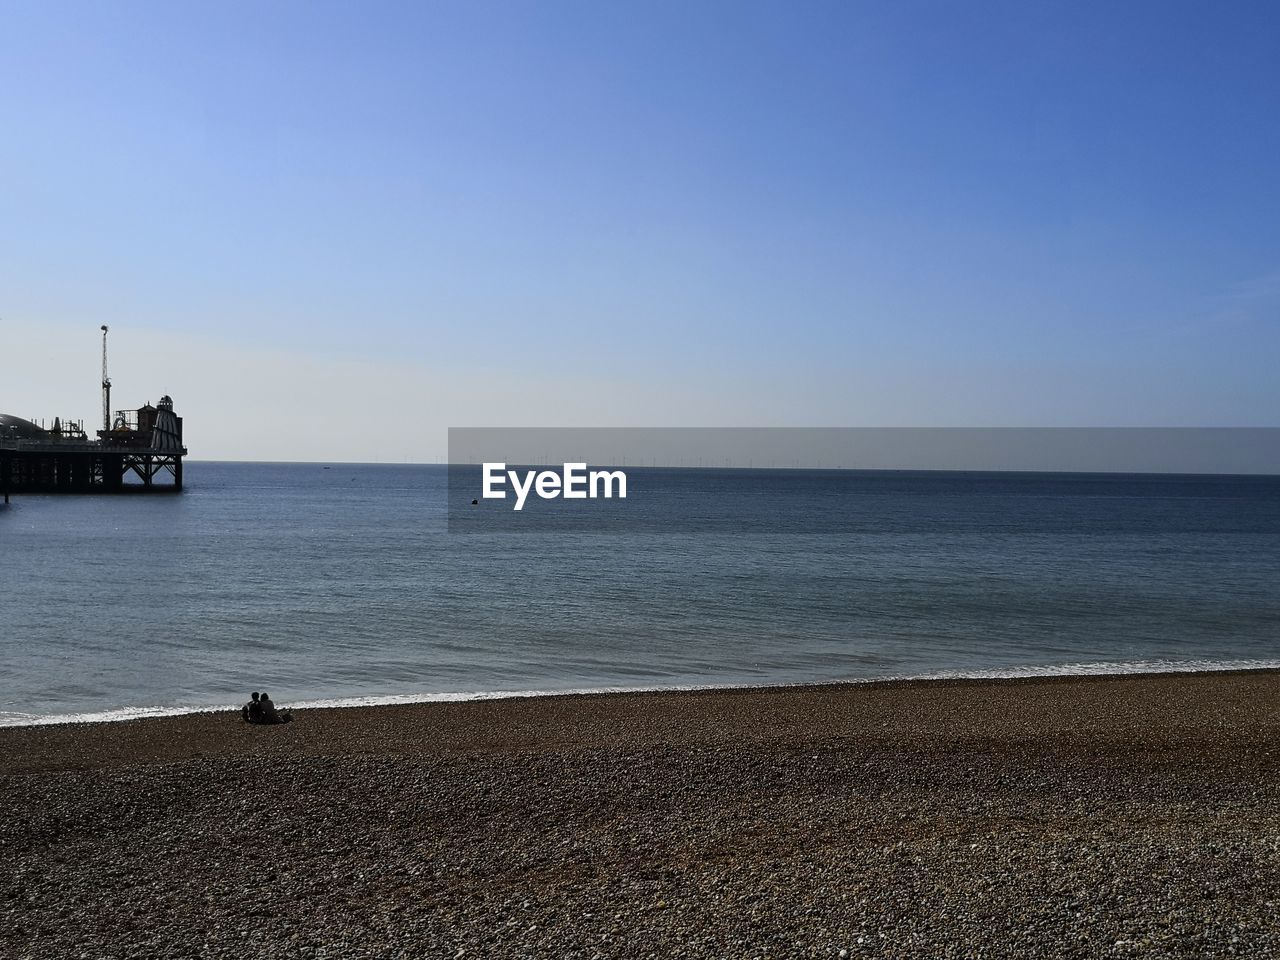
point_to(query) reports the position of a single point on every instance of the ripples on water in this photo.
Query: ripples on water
(343, 582)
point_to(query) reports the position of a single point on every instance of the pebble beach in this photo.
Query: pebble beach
(1091, 817)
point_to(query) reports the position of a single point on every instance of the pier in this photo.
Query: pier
(136, 451)
(142, 452)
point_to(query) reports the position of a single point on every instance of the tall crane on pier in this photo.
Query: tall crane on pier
(106, 384)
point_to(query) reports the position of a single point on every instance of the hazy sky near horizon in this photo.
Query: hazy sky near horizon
(332, 230)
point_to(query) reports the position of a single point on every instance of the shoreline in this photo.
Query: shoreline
(1104, 816)
(1098, 669)
(942, 709)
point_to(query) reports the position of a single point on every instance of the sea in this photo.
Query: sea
(339, 584)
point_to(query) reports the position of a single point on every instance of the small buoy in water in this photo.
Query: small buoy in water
(475, 503)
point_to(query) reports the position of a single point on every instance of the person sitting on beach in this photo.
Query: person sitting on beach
(251, 712)
(269, 712)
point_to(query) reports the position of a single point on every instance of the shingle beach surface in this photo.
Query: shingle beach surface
(1089, 817)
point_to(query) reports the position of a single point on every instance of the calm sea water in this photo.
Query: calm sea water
(341, 583)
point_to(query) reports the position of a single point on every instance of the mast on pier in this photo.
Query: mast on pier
(106, 384)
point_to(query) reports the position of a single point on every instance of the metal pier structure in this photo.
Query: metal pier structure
(139, 450)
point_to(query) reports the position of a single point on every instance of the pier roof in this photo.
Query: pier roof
(15, 428)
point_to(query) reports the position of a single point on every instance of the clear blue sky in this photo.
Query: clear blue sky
(648, 213)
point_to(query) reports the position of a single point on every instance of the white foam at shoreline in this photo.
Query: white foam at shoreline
(1091, 669)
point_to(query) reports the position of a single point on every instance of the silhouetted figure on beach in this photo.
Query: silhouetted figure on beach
(269, 712)
(251, 712)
